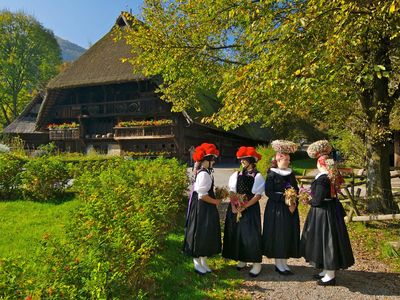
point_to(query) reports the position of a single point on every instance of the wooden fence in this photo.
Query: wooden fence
(350, 196)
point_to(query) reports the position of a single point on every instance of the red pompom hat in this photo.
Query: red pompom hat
(245, 152)
(204, 150)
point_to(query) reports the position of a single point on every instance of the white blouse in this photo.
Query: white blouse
(258, 186)
(202, 184)
(282, 172)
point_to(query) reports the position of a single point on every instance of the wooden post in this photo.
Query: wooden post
(397, 149)
(353, 203)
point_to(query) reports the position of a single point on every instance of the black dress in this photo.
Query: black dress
(281, 231)
(242, 240)
(325, 242)
(203, 231)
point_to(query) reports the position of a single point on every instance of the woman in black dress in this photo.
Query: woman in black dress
(325, 242)
(242, 233)
(281, 231)
(202, 230)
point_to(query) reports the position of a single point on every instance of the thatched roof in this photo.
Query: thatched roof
(100, 64)
(26, 122)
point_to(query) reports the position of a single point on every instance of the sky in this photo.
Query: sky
(82, 22)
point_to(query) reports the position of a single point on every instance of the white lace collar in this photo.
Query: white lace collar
(321, 173)
(282, 172)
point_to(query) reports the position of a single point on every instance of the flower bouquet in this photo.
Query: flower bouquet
(238, 201)
(304, 195)
(290, 196)
(221, 192)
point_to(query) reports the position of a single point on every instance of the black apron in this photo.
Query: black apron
(202, 231)
(325, 242)
(242, 240)
(281, 230)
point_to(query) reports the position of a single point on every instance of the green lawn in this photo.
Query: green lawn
(23, 224)
(171, 275)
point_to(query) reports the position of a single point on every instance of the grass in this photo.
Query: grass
(372, 240)
(171, 275)
(23, 224)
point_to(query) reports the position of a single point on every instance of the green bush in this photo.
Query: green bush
(267, 154)
(13, 283)
(351, 147)
(127, 211)
(44, 178)
(79, 164)
(10, 169)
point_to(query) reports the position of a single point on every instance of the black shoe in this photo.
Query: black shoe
(288, 272)
(239, 268)
(330, 282)
(200, 273)
(254, 275)
(281, 272)
(317, 276)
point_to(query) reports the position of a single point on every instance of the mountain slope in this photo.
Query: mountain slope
(69, 51)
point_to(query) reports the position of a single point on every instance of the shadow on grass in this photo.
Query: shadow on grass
(170, 275)
(65, 197)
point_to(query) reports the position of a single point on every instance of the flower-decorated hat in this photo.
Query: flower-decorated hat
(247, 152)
(284, 146)
(204, 151)
(319, 148)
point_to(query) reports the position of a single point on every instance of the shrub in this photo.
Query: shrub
(44, 178)
(10, 169)
(11, 282)
(351, 147)
(127, 210)
(267, 154)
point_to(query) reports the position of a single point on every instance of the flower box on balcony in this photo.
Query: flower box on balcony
(145, 132)
(64, 134)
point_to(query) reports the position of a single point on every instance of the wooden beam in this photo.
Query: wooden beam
(376, 217)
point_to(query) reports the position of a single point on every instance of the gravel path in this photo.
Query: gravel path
(367, 279)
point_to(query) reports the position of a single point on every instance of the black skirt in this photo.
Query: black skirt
(281, 232)
(203, 231)
(242, 240)
(325, 242)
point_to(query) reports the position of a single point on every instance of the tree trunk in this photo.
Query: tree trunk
(379, 188)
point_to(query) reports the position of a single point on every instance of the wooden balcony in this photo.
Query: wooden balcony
(64, 134)
(144, 132)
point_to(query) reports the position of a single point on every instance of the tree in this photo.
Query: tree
(29, 55)
(273, 61)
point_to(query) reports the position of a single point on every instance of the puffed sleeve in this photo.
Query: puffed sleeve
(202, 184)
(233, 182)
(258, 186)
(321, 190)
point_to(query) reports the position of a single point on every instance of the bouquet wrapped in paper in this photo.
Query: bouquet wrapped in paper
(290, 196)
(304, 195)
(221, 192)
(238, 201)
